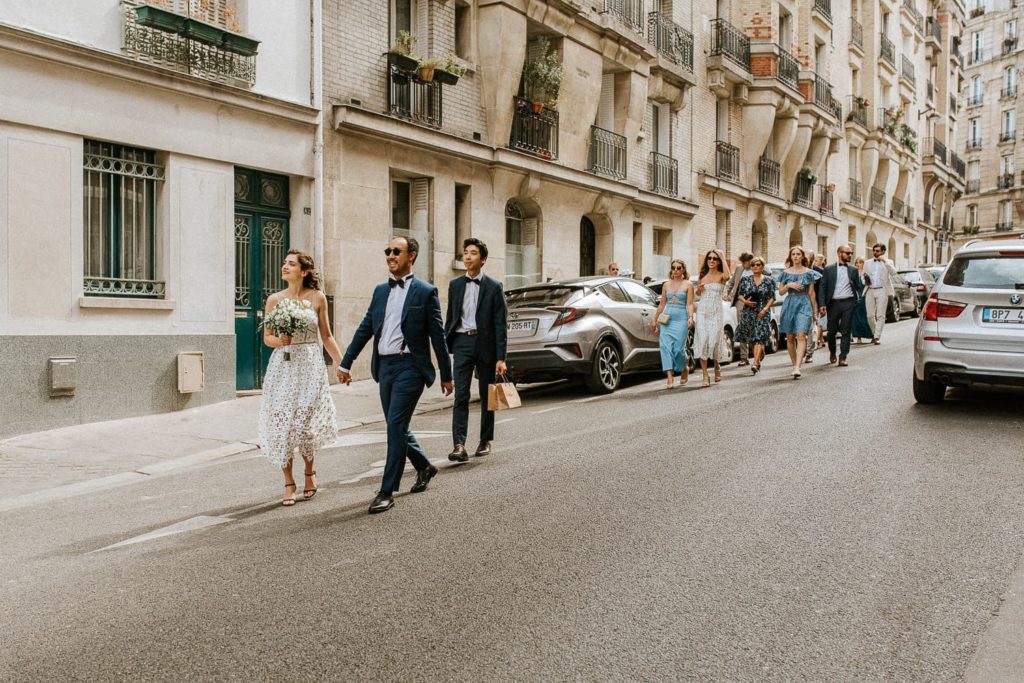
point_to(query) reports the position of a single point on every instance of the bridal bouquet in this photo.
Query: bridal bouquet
(288, 317)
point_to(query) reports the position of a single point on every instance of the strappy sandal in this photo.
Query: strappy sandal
(288, 502)
(307, 494)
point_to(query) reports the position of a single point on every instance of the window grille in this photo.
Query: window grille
(119, 204)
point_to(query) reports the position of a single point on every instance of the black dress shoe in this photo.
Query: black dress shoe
(458, 454)
(483, 449)
(382, 503)
(423, 478)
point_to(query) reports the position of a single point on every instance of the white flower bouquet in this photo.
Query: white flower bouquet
(288, 317)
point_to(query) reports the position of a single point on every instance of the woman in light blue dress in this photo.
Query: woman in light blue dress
(677, 304)
(797, 283)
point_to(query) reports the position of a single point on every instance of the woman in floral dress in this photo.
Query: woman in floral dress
(756, 296)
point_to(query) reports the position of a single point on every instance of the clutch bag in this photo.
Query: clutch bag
(663, 319)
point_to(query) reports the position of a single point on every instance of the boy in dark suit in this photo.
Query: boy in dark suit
(404, 321)
(476, 335)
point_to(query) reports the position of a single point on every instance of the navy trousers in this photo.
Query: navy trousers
(840, 319)
(468, 359)
(401, 386)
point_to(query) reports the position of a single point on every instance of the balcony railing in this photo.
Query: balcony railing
(908, 217)
(1005, 226)
(888, 123)
(917, 19)
(1009, 46)
(730, 42)
(824, 8)
(769, 173)
(826, 200)
(933, 29)
(958, 165)
(789, 68)
(975, 99)
(727, 161)
(858, 111)
(878, 201)
(1010, 91)
(413, 99)
(974, 143)
(535, 132)
(856, 34)
(803, 192)
(607, 153)
(1004, 181)
(1007, 135)
(887, 51)
(907, 71)
(664, 175)
(670, 39)
(822, 93)
(939, 150)
(631, 12)
(897, 209)
(973, 186)
(975, 57)
(856, 197)
(971, 229)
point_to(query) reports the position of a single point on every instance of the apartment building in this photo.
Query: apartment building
(155, 161)
(993, 204)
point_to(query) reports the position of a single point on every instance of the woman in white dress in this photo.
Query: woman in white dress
(297, 410)
(707, 339)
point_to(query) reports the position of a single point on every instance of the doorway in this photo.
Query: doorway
(588, 247)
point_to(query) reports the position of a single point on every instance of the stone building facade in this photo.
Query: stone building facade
(993, 205)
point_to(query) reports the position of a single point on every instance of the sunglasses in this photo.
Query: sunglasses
(846, 253)
(677, 267)
(392, 250)
(712, 258)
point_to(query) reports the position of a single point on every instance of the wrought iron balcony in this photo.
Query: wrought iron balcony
(1010, 91)
(631, 12)
(670, 39)
(975, 99)
(974, 143)
(823, 97)
(887, 122)
(1007, 135)
(533, 131)
(826, 200)
(1004, 181)
(907, 71)
(971, 229)
(769, 173)
(230, 60)
(803, 192)
(1009, 46)
(789, 68)
(959, 167)
(664, 175)
(897, 209)
(916, 18)
(887, 51)
(973, 186)
(933, 29)
(730, 42)
(824, 8)
(939, 150)
(855, 197)
(727, 161)
(976, 56)
(413, 99)
(858, 110)
(856, 34)
(607, 153)
(878, 201)
(1005, 226)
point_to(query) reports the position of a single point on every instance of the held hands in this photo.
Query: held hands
(344, 377)
(447, 387)
(822, 310)
(689, 321)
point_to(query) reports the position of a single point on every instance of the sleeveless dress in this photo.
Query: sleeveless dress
(672, 335)
(707, 337)
(796, 307)
(297, 409)
(751, 329)
(861, 329)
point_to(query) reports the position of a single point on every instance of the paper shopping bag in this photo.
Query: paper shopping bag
(502, 396)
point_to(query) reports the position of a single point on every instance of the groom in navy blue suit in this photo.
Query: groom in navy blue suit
(404, 321)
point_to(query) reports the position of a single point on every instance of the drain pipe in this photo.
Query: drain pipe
(316, 100)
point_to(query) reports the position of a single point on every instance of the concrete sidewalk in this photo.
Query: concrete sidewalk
(71, 460)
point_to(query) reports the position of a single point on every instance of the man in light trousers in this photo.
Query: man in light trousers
(879, 273)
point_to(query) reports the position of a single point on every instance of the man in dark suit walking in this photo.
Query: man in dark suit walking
(476, 335)
(404, 321)
(837, 292)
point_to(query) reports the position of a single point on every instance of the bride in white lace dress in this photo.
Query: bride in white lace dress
(297, 410)
(707, 337)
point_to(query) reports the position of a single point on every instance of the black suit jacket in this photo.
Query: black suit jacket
(826, 286)
(421, 327)
(492, 334)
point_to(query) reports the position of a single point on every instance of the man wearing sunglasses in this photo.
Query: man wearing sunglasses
(404, 321)
(837, 292)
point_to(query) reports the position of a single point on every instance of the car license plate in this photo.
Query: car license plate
(1003, 315)
(522, 328)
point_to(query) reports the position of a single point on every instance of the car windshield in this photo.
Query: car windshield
(542, 297)
(986, 272)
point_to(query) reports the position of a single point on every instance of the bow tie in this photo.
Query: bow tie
(397, 283)
(878, 259)
(472, 280)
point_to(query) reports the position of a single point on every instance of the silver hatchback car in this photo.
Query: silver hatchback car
(971, 330)
(597, 328)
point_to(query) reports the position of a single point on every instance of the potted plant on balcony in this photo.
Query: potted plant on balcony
(450, 72)
(908, 138)
(862, 102)
(427, 67)
(542, 77)
(161, 19)
(807, 175)
(400, 53)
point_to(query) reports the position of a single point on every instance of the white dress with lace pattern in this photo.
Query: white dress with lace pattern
(297, 409)
(710, 325)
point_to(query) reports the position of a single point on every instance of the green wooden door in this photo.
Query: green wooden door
(261, 242)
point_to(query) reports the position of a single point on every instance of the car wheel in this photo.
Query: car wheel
(892, 314)
(773, 340)
(606, 370)
(916, 313)
(928, 392)
(728, 347)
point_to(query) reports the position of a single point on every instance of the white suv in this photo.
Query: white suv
(971, 330)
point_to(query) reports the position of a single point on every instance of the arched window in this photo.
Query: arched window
(522, 252)
(796, 238)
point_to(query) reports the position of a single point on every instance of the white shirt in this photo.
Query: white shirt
(470, 296)
(392, 340)
(877, 269)
(844, 290)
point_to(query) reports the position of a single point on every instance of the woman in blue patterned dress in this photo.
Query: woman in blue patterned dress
(756, 296)
(797, 283)
(677, 304)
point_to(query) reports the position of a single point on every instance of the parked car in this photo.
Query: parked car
(971, 330)
(594, 328)
(921, 279)
(904, 302)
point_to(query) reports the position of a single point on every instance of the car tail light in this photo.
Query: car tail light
(936, 308)
(1011, 253)
(567, 314)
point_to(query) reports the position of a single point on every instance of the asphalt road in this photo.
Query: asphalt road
(761, 529)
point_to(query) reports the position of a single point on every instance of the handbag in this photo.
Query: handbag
(664, 318)
(502, 395)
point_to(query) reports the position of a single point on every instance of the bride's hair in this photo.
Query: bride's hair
(310, 278)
